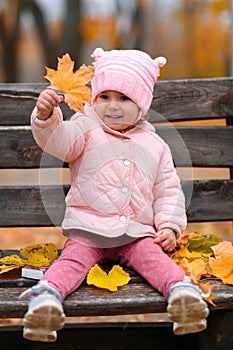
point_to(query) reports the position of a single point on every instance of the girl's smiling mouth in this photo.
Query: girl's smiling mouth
(114, 117)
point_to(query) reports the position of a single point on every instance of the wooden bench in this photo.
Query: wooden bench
(211, 200)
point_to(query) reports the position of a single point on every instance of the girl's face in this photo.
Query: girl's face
(116, 110)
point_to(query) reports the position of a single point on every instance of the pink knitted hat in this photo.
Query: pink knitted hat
(130, 72)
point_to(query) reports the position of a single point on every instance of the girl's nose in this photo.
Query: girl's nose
(113, 104)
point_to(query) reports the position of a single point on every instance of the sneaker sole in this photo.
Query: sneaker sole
(48, 316)
(39, 335)
(187, 309)
(192, 327)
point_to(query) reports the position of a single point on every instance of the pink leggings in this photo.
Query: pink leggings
(143, 255)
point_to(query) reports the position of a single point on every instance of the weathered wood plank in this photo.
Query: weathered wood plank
(174, 100)
(193, 99)
(22, 206)
(134, 298)
(200, 146)
(18, 100)
(191, 146)
(90, 301)
(19, 150)
(211, 200)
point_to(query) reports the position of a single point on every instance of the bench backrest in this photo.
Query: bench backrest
(203, 146)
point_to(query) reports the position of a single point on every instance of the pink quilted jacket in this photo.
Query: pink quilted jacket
(120, 182)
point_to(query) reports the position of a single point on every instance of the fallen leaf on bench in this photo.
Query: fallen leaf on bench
(203, 244)
(72, 84)
(38, 255)
(222, 266)
(35, 255)
(198, 267)
(116, 277)
(6, 268)
(184, 252)
(223, 248)
(13, 260)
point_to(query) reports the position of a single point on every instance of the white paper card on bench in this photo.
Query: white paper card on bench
(34, 273)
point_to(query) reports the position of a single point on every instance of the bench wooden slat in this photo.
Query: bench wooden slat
(193, 99)
(197, 146)
(18, 100)
(19, 150)
(211, 200)
(175, 100)
(90, 301)
(191, 146)
(22, 206)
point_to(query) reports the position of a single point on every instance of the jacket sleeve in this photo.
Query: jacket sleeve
(169, 201)
(62, 139)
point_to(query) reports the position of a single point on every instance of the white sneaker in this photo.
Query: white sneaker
(186, 308)
(45, 314)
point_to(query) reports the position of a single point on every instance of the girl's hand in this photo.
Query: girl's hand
(166, 238)
(47, 100)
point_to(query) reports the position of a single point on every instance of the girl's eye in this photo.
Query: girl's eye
(125, 98)
(104, 97)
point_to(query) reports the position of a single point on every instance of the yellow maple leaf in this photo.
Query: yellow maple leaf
(228, 279)
(38, 255)
(222, 266)
(198, 268)
(7, 268)
(13, 260)
(72, 84)
(48, 250)
(223, 248)
(185, 253)
(117, 277)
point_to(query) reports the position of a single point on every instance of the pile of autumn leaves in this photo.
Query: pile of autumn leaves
(205, 258)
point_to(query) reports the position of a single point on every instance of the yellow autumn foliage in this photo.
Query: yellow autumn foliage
(223, 248)
(116, 277)
(71, 84)
(35, 255)
(14, 260)
(204, 257)
(40, 256)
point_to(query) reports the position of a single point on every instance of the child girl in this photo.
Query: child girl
(125, 202)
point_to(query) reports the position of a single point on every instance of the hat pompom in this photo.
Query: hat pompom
(98, 53)
(160, 61)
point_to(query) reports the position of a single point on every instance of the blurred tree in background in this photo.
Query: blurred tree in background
(193, 34)
(206, 34)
